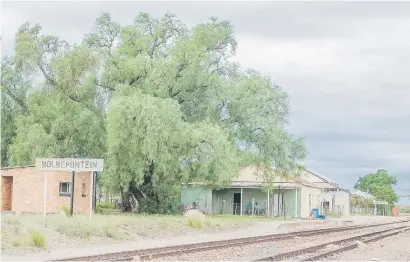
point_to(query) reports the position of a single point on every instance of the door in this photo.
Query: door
(277, 204)
(6, 192)
(236, 203)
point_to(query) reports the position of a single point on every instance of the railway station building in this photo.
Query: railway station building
(247, 194)
(30, 190)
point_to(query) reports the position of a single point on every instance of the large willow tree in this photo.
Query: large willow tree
(162, 103)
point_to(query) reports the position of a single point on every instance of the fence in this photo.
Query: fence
(333, 210)
(358, 210)
(260, 209)
(380, 210)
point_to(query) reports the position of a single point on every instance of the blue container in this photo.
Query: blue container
(315, 212)
(322, 217)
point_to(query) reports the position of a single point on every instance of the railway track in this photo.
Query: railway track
(148, 254)
(324, 250)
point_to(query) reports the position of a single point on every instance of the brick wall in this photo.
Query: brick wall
(28, 190)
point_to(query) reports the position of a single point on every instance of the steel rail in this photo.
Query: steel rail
(352, 246)
(144, 254)
(302, 251)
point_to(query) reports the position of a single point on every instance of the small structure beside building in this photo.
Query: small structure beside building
(376, 207)
(334, 199)
(23, 190)
(285, 197)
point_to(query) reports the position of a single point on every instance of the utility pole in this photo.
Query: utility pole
(72, 194)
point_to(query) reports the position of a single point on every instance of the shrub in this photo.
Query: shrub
(66, 210)
(37, 239)
(114, 233)
(106, 205)
(17, 243)
(196, 219)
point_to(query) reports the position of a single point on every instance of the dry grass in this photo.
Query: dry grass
(195, 219)
(37, 239)
(68, 232)
(66, 210)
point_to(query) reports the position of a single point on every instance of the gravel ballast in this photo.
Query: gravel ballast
(260, 250)
(394, 248)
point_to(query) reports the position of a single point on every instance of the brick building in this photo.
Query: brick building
(23, 190)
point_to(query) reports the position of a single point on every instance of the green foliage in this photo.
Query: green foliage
(161, 102)
(361, 202)
(143, 138)
(106, 208)
(106, 205)
(66, 210)
(14, 86)
(380, 185)
(55, 127)
(37, 239)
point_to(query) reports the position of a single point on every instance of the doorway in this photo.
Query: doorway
(6, 193)
(236, 203)
(277, 205)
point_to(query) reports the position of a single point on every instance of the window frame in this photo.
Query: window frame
(61, 193)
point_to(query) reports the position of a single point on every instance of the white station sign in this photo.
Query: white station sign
(70, 164)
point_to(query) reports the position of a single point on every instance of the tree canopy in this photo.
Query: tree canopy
(163, 103)
(379, 184)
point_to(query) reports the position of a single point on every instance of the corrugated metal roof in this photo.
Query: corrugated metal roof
(305, 182)
(320, 176)
(251, 176)
(327, 183)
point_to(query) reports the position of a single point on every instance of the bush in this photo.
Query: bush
(162, 198)
(106, 205)
(37, 239)
(66, 210)
(196, 219)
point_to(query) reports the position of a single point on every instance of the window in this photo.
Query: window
(65, 189)
(83, 194)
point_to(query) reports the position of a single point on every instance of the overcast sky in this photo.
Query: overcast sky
(346, 66)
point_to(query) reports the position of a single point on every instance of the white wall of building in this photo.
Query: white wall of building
(340, 198)
(314, 195)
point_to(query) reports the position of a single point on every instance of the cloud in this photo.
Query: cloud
(345, 65)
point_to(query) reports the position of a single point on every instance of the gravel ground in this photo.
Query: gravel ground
(394, 248)
(156, 232)
(260, 250)
(63, 233)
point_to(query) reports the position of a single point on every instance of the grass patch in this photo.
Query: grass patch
(106, 208)
(106, 205)
(17, 230)
(195, 219)
(404, 209)
(37, 239)
(66, 210)
(17, 243)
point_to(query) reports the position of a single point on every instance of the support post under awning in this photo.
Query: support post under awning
(241, 199)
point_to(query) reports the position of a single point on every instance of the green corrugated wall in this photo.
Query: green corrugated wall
(212, 201)
(202, 196)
